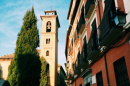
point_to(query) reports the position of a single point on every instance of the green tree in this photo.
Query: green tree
(44, 72)
(25, 67)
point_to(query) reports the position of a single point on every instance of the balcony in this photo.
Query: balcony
(112, 24)
(92, 49)
(77, 69)
(89, 7)
(77, 63)
(80, 26)
(81, 61)
(81, 23)
(83, 57)
(110, 29)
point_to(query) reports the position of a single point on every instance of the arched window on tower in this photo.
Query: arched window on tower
(47, 53)
(48, 26)
(48, 41)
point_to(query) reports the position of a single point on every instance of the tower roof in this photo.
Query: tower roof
(50, 11)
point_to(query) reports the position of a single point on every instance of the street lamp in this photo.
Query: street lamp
(120, 18)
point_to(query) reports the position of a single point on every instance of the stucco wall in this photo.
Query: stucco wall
(4, 67)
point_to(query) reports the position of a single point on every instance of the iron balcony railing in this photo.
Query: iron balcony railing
(77, 63)
(83, 55)
(109, 31)
(92, 49)
(105, 26)
(83, 58)
(81, 21)
(81, 61)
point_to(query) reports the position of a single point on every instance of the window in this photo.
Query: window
(99, 79)
(47, 53)
(47, 41)
(88, 84)
(112, 12)
(0, 74)
(48, 26)
(121, 72)
(84, 48)
(94, 39)
(80, 85)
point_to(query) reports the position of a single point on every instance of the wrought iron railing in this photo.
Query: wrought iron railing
(92, 45)
(89, 47)
(108, 19)
(81, 21)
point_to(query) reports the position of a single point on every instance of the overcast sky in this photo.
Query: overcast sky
(11, 19)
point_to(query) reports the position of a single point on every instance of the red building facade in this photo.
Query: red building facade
(98, 43)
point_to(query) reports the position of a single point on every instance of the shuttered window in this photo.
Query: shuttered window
(121, 72)
(99, 79)
(80, 85)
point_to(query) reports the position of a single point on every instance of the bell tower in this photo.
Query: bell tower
(49, 43)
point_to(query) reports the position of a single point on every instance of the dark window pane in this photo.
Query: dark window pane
(47, 41)
(48, 26)
(99, 79)
(47, 53)
(80, 85)
(88, 84)
(121, 73)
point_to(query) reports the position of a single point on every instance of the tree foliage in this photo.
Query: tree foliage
(25, 67)
(44, 72)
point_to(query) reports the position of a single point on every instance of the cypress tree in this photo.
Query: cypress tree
(25, 67)
(44, 72)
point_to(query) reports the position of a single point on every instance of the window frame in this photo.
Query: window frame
(48, 29)
(121, 73)
(48, 41)
(47, 53)
(99, 81)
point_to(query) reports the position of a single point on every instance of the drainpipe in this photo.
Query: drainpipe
(108, 84)
(75, 82)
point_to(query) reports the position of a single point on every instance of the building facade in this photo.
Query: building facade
(4, 63)
(98, 43)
